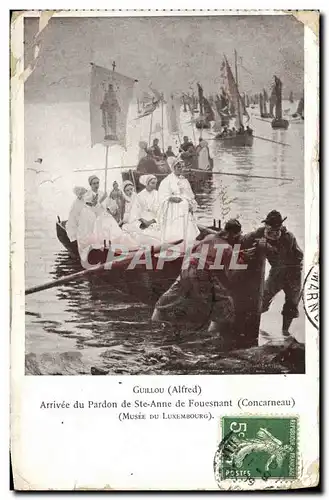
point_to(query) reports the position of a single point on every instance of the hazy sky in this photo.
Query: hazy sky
(172, 52)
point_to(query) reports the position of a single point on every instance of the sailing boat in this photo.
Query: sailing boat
(204, 118)
(222, 105)
(263, 98)
(242, 137)
(278, 121)
(291, 97)
(300, 110)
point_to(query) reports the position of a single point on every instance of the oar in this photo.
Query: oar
(243, 175)
(270, 140)
(99, 169)
(257, 137)
(87, 272)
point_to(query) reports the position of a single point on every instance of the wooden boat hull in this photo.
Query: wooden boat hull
(71, 246)
(239, 140)
(280, 123)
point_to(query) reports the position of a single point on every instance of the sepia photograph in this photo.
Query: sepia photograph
(164, 194)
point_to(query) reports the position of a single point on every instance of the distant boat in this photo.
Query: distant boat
(241, 137)
(300, 110)
(278, 121)
(204, 118)
(272, 101)
(291, 97)
(222, 105)
(262, 105)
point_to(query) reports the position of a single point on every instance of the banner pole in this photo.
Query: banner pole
(106, 166)
(150, 134)
(163, 146)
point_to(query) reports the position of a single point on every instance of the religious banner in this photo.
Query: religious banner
(110, 97)
(173, 112)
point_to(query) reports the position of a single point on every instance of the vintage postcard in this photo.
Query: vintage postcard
(164, 237)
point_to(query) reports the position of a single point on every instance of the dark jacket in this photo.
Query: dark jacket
(284, 252)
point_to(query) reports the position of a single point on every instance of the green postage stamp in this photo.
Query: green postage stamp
(257, 447)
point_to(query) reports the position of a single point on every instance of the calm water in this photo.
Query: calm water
(83, 324)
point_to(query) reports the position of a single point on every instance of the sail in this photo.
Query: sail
(261, 104)
(110, 96)
(300, 108)
(217, 127)
(235, 96)
(265, 99)
(201, 98)
(272, 101)
(173, 112)
(278, 94)
(208, 112)
(291, 97)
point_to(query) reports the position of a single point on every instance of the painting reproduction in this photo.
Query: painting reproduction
(165, 235)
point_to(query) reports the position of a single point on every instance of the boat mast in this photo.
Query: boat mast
(237, 87)
(162, 125)
(278, 107)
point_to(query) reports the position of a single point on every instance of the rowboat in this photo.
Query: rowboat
(240, 139)
(237, 140)
(148, 285)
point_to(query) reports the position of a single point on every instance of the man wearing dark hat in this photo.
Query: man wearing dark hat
(286, 260)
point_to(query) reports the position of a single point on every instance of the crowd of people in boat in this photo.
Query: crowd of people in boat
(233, 132)
(152, 217)
(154, 160)
(167, 215)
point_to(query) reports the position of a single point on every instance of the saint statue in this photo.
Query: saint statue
(110, 107)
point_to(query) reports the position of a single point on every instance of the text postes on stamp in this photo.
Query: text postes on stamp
(257, 448)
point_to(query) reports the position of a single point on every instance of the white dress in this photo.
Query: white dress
(106, 229)
(86, 237)
(176, 220)
(90, 196)
(74, 218)
(148, 205)
(135, 208)
(203, 159)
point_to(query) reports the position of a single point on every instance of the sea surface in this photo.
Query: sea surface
(83, 324)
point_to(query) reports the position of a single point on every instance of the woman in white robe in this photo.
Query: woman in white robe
(94, 197)
(75, 212)
(148, 206)
(86, 237)
(204, 160)
(107, 231)
(177, 207)
(132, 219)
